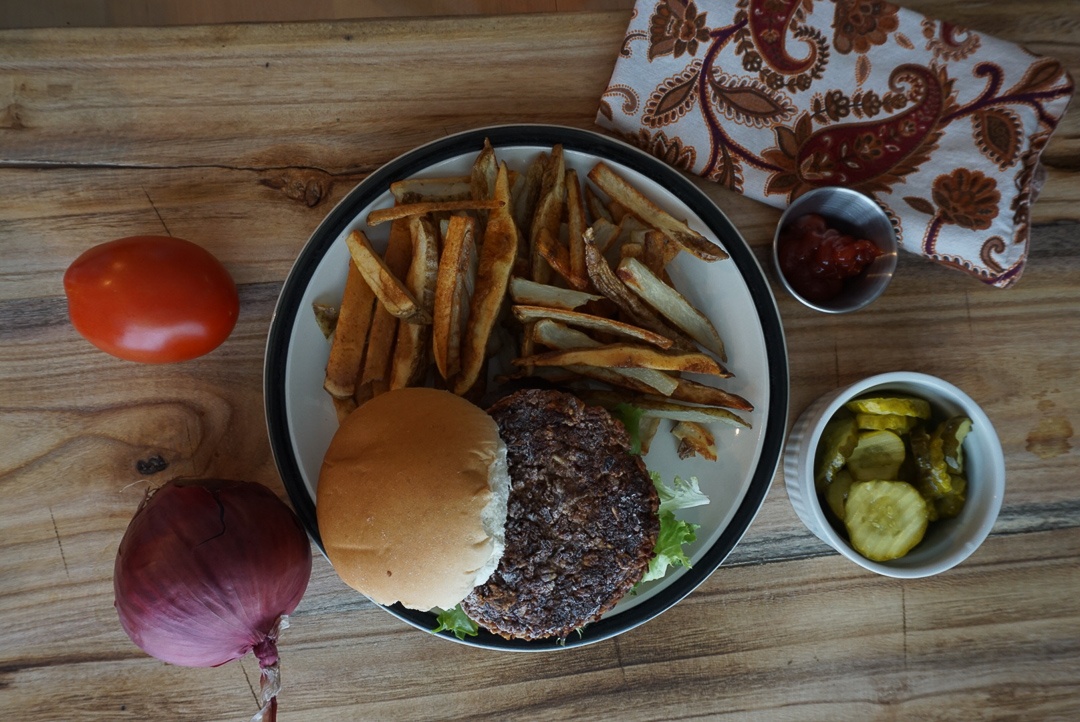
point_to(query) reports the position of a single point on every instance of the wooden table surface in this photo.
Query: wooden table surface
(242, 137)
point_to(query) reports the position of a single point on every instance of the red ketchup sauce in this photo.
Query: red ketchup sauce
(817, 259)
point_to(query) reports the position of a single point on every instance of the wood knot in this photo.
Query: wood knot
(307, 187)
(152, 465)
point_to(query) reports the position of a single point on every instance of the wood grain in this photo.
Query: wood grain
(242, 137)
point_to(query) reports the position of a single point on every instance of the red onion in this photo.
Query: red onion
(207, 571)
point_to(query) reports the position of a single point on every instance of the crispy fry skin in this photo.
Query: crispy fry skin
(453, 290)
(531, 293)
(696, 393)
(558, 257)
(412, 348)
(694, 438)
(527, 314)
(607, 283)
(405, 210)
(482, 180)
(454, 188)
(392, 293)
(560, 337)
(375, 378)
(576, 225)
(671, 304)
(659, 252)
(350, 336)
(652, 215)
(625, 355)
(549, 211)
(498, 254)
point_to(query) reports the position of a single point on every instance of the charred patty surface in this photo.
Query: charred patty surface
(581, 521)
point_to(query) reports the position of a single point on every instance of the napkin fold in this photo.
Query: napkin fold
(944, 126)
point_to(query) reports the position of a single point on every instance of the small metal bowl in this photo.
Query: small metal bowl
(857, 215)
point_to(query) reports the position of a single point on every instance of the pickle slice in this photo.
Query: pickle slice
(877, 455)
(952, 504)
(933, 476)
(885, 519)
(952, 433)
(886, 422)
(899, 405)
(836, 494)
(838, 438)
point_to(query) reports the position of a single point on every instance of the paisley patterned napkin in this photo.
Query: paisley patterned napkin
(771, 98)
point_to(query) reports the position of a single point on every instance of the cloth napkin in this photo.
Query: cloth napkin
(944, 126)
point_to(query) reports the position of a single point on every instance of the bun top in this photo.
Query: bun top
(412, 498)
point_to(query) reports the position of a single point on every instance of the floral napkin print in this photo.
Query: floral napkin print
(943, 125)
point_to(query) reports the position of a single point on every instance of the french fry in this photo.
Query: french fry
(617, 211)
(530, 314)
(484, 170)
(659, 252)
(326, 315)
(604, 235)
(694, 438)
(671, 304)
(558, 258)
(531, 293)
(576, 225)
(498, 254)
(596, 206)
(631, 250)
(549, 211)
(406, 210)
(392, 293)
(350, 336)
(456, 188)
(647, 428)
(375, 378)
(607, 283)
(666, 409)
(560, 337)
(453, 291)
(624, 355)
(697, 393)
(635, 203)
(411, 349)
(525, 201)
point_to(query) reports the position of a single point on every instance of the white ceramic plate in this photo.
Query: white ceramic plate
(733, 293)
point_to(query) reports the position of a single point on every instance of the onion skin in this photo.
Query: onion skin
(207, 569)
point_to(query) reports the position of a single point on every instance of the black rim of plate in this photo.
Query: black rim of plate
(584, 141)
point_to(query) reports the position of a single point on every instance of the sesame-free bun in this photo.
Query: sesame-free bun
(412, 498)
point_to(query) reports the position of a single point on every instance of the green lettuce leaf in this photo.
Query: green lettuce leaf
(674, 534)
(455, 620)
(669, 546)
(682, 494)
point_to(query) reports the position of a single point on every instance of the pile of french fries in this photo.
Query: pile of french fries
(505, 275)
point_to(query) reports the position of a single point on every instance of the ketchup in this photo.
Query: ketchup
(817, 259)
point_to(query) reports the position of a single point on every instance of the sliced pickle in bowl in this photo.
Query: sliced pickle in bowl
(887, 467)
(885, 519)
(877, 455)
(899, 405)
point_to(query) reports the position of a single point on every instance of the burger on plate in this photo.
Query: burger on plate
(534, 516)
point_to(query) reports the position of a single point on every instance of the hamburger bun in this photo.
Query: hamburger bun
(412, 497)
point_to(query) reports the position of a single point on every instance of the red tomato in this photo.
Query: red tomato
(153, 299)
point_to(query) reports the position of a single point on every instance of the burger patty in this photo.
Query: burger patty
(581, 520)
